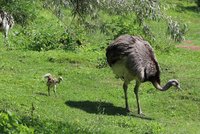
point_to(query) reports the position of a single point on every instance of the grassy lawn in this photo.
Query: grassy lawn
(91, 99)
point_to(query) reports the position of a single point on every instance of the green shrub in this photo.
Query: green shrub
(49, 39)
(44, 41)
(10, 123)
(119, 26)
(176, 30)
(198, 3)
(69, 40)
(23, 11)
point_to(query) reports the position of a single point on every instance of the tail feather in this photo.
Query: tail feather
(60, 79)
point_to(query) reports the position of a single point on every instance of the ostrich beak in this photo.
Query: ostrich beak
(179, 87)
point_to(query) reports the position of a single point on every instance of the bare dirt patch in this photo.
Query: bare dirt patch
(188, 42)
(192, 47)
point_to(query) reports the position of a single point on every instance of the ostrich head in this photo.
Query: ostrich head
(175, 83)
(60, 79)
(172, 82)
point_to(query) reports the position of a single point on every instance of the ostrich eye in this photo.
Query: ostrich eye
(175, 83)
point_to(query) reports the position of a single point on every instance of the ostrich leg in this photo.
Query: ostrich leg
(137, 97)
(125, 87)
(54, 90)
(49, 90)
(5, 41)
(6, 38)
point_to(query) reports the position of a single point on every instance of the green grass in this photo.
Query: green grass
(90, 99)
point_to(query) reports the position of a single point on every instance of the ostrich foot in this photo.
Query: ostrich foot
(141, 113)
(128, 110)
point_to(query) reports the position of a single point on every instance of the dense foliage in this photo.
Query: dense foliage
(93, 16)
(22, 10)
(198, 3)
(143, 10)
(11, 124)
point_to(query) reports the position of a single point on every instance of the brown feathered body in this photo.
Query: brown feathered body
(132, 58)
(52, 82)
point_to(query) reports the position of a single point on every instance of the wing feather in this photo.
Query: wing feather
(140, 57)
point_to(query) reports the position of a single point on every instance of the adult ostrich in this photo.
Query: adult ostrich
(132, 58)
(6, 23)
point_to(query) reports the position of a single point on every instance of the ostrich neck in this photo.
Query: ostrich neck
(58, 81)
(164, 88)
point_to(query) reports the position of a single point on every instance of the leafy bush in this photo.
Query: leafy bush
(146, 9)
(70, 40)
(142, 10)
(176, 30)
(197, 2)
(23, 11)
(44, 41)
(48, 39)
(119, 26)
(10, 123)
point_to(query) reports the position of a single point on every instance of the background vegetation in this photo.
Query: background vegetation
(68, 38)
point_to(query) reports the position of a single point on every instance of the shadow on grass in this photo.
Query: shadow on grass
(98, 107)
(141, 116)
(40, 93)
(188, 8)
(192, 8)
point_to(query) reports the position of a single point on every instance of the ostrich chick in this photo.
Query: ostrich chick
(52, 82)
(132, 58)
